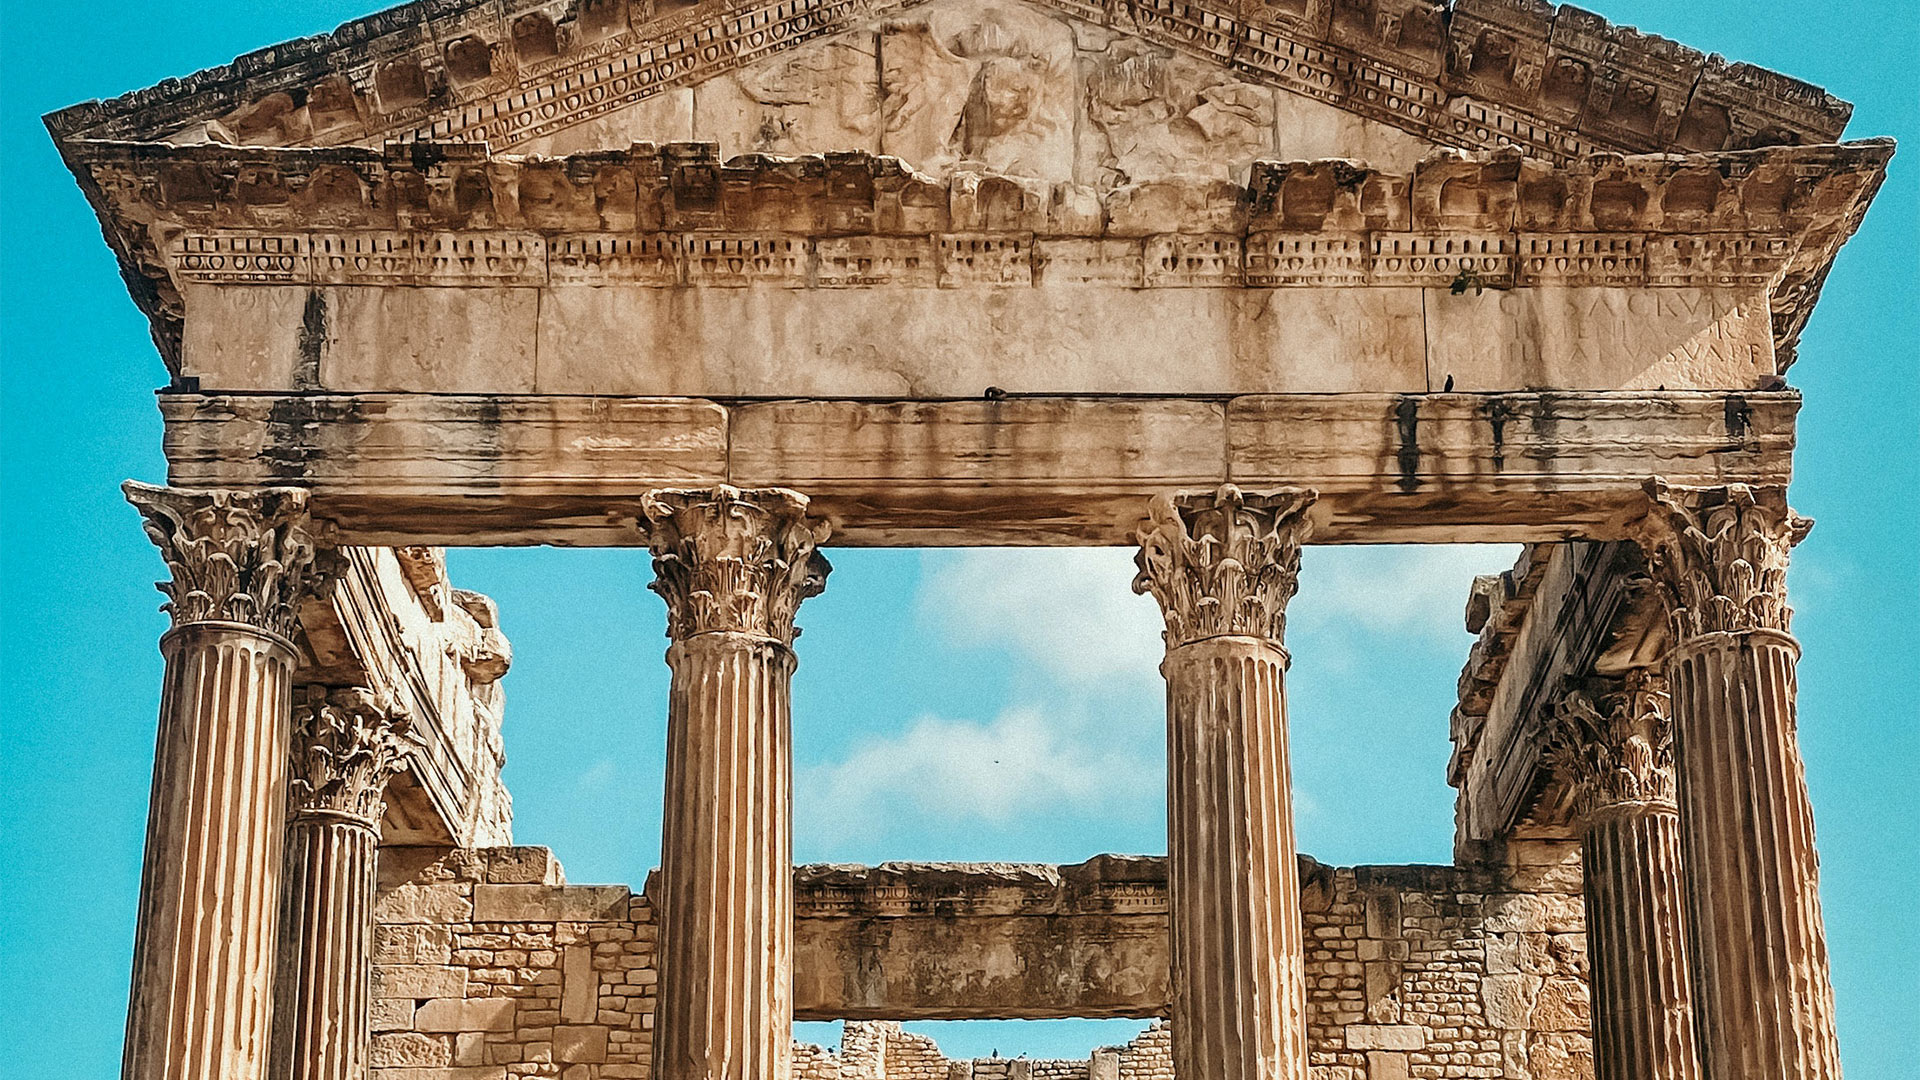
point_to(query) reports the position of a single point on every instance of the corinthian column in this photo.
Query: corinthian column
(1763, 1002)
(733, 567)
(1616, 747)
(1223, 566)
(203, 957)
(346, 745)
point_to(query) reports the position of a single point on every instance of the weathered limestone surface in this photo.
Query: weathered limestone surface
(733, 567)
(1762, 992)
(1459, 973)
(202, 998)
(1432, 467)
(1223, 566)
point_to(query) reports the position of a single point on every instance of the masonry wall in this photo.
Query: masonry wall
(490, 967)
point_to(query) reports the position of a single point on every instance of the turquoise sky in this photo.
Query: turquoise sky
(949, 705)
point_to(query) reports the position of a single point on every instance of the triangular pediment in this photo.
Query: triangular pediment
(1003, 86)
(1097, 91)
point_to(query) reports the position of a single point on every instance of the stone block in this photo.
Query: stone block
(419, 981)
(483, 1072)
(579, 984)
(441, 904)
(579, 1043)
(392, 1014)
(1515, 913)
(1386, 1037)
(1563, 1005)
(1386, 1065)
(550, 903)
(465, 1014)
(1507, 1000)
(469, 1073)
(412, 943)
(523, 865)
(408, 1048)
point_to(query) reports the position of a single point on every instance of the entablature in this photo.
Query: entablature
(265, 269)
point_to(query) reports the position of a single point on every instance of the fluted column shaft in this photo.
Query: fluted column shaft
(1223, 566)
(1636, 944)
(327, 966)
(1613, 742)
(727, 858)
(1239, 980)
(1762, 980)
(1762, 992)
(201, 1001)
(733, 567)
(347, 745)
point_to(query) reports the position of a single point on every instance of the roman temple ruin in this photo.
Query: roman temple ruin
(738, 281)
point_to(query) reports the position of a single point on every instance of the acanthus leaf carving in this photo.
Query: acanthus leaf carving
(1614, 742)
(347, 744)
(234, 556)
(1719, 556)
(728, 560)
(1224, 562)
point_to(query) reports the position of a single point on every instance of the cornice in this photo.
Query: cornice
(676, 216)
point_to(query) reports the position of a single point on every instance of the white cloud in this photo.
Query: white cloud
(1070, 611)
(1021, 765)
(1394, 589)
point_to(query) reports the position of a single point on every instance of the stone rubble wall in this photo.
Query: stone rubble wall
(490, 967)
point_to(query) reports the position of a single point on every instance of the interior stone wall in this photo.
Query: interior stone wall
(489, 966)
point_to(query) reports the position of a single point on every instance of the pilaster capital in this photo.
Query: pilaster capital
(728, 560)
(347, 743)
(1719, 556)
(1223, 562)
(235, 556)
(1614, 742)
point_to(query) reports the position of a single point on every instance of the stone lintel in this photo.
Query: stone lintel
(514, 470)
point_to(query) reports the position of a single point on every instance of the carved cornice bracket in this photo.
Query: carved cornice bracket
(347, 744)
(1718, 556)
(728, 560)
(1614, 743)
(235, 556)
(1223, 562)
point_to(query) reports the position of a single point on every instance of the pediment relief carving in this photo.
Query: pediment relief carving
(1559, 83)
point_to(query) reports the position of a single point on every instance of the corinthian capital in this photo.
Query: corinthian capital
(728, 560)
(347, 744)
(1614, 742)
(1223, 562)
(1719, 556)
(235, 556)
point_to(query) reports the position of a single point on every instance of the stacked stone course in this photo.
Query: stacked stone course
(491, 967)
(488, 966)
